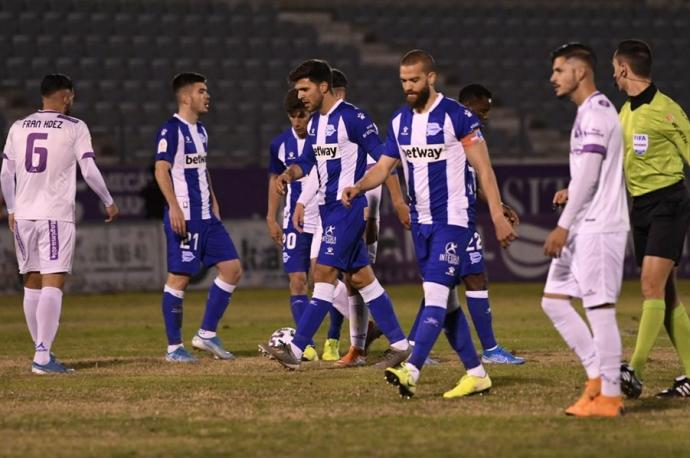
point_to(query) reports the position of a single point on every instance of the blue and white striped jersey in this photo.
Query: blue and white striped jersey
(338, 144)
(286, 149)
(185, 145)
(430, 145)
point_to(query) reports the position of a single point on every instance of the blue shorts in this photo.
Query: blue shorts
(296, 250)
(207, 242)
(440, 251)
(342, 245)
(473, 259)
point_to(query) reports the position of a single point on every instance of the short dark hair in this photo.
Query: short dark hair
(473, 92)
(419, 55)
(638, 55)
(316, 70)
(55, 82)
(185, 79)
(339, 78)
(292, 102)
(575, 50)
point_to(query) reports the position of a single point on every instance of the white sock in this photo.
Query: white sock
(31, 297)
(574, 331)
(477, 371)
(607, 341)
(401, 345)
(206, 334)
(359, 321)
(340, 301)
(414, 372)
(48, 320)
(172, 348)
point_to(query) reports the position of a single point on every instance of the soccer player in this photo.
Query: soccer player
(588, 244)
(340, 136)
(478, 99)
(436, 139)
(39, 182)
(193, 229)
(295, 244)
(657, 141)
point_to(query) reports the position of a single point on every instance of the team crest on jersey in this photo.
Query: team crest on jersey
(433, 128)
(286, 257)
(451, 254)
(187, 256)
(329, 237)
(330, 130)
(640, 144)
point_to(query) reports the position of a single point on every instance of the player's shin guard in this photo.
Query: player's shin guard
(381, 309)
(219, 295)
(458, 334)
(359, 321)
(574, 331)
(430, 322)
(172, 314)
(317, 309)
(415, 325)
(650, 324)
(297, 306)
(339, 311)
(30, 305)
(47, 322)
(607, 341)
(480, 310)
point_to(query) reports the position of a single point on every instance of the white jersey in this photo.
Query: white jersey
(46, 147)
(597, 130)
(431, 147)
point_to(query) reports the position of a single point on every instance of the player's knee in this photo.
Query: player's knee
(475, 282)
(230, 271)
(652, 288)
(298, 283)
(362, 278)
(325, 274)
(177, 282)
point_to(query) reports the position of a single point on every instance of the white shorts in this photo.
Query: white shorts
(590, 268)
(44, 246)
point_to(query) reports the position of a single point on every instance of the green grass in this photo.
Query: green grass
(124, 400)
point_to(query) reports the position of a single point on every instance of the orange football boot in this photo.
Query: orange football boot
(355, 357)
(592, 390)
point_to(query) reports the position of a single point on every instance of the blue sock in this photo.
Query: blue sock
(297, 306)
(480, 310)
(336, 323)
(458, 334)
(430, 326)
(381, 309)
(415, 325)
(172, 315)
(218, 299)
(313, 316)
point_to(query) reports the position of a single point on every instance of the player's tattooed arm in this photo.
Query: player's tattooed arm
(274, 229)
(373, 178)
(177, 221)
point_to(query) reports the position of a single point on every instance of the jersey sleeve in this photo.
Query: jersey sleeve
(166, 144)
(595, 131)
(366, 134)
(391, 146)
(275, 165)
(8, 151)
(307, 160)
(466, 125)
(83, 148)
(680, 134)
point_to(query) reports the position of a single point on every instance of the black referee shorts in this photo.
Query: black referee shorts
(660, 221)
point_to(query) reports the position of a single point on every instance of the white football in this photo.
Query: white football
(281, 336)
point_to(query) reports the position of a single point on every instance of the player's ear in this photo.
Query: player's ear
(324, 87)
(431, 76)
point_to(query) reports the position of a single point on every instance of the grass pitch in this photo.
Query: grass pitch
(125, 401)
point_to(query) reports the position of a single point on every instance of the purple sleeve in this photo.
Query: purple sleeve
(392, 149)
(166, 144)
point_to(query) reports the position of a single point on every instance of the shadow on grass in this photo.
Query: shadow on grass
(648, 405)
(110, 362)
(519, 379)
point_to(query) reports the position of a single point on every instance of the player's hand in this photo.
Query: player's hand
(11, 222)
(177, 221)
(298, 217)
(348, 195)
(555, 242)
(276, 232)
(403, 212)
(560, 198)
(510, 214)
(281, 183)
(505, 233)
(111, 211)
